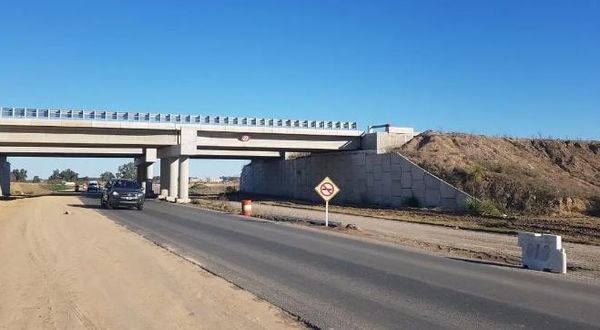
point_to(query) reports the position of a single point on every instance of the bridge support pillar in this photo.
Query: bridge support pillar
(184, 179)
(149, 175)
(4, 176)
(144, 166)
(164, 178)
(145, 173)
(173, 179)
(139, 176)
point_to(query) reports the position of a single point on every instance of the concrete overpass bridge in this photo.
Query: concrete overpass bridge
(172, 139)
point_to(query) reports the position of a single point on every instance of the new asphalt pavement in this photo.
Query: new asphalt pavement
(332, 281)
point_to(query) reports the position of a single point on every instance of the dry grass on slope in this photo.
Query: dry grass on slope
(534, 176)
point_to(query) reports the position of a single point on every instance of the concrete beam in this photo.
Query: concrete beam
(235, 154)
(20, 151)
(174, 126)
(276, 142)
(277, 130)
(170, 152)
(187, 140)
(383, 142)
(175, 151)
(81, 137)
(149, 157)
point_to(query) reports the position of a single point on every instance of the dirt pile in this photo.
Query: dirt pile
(532, 176)
(29, 189)
(205, 189)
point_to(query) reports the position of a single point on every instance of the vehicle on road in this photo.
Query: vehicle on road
(93, 186)
(120, 192)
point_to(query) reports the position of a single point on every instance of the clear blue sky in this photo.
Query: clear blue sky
(524, 68)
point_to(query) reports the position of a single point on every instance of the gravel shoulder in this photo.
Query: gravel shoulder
(583, 259)
(81, 270)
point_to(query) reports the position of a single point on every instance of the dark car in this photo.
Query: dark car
(119, 192)
(92, 186)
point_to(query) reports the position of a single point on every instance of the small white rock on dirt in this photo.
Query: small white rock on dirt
(352, 226)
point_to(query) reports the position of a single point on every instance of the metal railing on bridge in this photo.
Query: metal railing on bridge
(62, 114)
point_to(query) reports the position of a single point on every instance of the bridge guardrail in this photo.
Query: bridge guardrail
(63, 114)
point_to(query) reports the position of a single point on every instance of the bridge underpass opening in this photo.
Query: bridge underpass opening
(41, 169)
(207, 172)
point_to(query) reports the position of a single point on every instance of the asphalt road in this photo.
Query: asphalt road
(338, 282)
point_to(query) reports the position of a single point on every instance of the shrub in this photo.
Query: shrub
(594, 208)
(475, 173)
(484, 207)
(57, 187)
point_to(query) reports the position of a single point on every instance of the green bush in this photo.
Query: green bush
(475, 173)
(484, 207)
(57, 187)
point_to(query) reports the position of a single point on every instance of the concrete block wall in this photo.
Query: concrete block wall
(4, 177)
(364, 177)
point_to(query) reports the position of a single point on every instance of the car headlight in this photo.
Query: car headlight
(115, 193)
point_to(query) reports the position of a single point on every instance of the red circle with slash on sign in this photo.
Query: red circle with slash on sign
(327, 189)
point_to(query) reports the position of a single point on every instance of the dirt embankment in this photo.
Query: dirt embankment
(207, 189)
(531, 176)
(81, 270)
(29, 189)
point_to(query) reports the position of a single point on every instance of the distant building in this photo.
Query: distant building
(230, 178)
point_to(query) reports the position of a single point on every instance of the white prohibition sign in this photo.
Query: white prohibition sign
(327, 190)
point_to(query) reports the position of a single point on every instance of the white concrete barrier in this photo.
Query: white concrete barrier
(543, 252)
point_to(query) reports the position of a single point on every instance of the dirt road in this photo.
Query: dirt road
(81, 270)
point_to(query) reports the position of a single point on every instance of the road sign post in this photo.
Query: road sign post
(327, 190)
(326, 214)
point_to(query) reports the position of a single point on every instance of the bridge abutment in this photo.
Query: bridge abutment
(375, 176)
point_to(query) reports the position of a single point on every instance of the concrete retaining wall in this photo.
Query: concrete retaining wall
(4, 177)
(364, 177)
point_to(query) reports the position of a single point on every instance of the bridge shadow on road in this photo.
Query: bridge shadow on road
(85, 206)
(99, 207)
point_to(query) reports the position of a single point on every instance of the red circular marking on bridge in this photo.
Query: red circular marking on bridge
(327, 189)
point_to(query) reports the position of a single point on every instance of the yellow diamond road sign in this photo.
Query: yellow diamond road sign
(327, 189)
